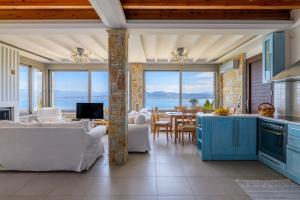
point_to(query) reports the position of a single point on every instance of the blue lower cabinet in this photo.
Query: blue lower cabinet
(293, 164)
(246, 137)
(229, 138)
(223, 137)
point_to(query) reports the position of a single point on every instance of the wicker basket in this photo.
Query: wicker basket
(266, 109)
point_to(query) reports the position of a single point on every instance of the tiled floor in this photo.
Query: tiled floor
(168, 172)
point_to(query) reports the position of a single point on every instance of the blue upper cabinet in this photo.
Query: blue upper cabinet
(273, 55)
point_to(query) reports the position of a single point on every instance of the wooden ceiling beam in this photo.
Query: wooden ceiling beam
(207, 14)
(211, 4)
(53, 14)
(48, 4)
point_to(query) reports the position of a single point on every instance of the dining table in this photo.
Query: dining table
(174, 116)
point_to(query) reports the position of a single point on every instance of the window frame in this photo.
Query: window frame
(215, 87)
(89, 89)
(31, 89)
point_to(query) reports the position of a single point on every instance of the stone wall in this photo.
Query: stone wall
(137, 86)
(232, 87)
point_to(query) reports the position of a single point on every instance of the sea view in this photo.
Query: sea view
(163, 100)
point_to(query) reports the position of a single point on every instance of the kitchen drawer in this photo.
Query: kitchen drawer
(293, 163)
(294, 136)
(294, 130)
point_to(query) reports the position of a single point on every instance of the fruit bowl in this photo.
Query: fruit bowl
(222, 111)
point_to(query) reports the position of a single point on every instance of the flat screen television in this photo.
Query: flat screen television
(89, 110)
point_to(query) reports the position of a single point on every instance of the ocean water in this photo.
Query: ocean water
(67, 101)
(169, 103)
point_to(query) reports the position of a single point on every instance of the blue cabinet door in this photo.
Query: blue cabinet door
(293, 164)
(267, 58)
(246, 136)
(223, 136)
(273, 55)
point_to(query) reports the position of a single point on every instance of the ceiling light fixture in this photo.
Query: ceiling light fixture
(180, 56)
(80, 55)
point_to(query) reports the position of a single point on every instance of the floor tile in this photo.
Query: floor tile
(65, 197)
(40, 185)
(124, 186)
(222, 197)
(169, 170)
(11, 183)
(214, 186)
(176, 198)
(118, 197)
(30, 197)
(173, 186)
(129, 170)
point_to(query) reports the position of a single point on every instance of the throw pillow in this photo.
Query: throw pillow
(140, 119)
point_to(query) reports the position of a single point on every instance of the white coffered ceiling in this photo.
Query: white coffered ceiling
(153, 47)
(54, 42)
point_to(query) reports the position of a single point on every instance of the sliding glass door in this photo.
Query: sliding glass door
(167, 89)
(69, 88)
(24, 89)
(162, 89)
(198, 85)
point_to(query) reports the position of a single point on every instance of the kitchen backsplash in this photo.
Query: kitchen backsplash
(287, 98)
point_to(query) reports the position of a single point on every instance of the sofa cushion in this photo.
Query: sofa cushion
(74, 124)
(49, 115)
(13, 124)
(140, 119)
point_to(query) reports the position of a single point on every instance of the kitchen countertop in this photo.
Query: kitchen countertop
(282, 119)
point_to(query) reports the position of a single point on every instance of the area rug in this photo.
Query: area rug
(270, 189)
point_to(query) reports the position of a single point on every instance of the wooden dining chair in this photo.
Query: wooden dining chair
(158, 124)
(188, 125)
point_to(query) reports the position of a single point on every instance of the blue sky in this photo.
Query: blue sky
(78, 81)
(193, 82)
(23, 72)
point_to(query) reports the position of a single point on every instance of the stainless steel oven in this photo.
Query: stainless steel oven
(272, 139)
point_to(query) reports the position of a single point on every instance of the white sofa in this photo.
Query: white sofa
(49, 148)
(138, 138)
(138, 132)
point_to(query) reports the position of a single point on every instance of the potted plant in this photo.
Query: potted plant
(193, 102)
(208, 106)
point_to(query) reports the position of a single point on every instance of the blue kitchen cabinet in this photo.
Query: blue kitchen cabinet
(246, 135)
(293, 164)
(228, 138)
(293, 153)
(273, 55)
(223, 136)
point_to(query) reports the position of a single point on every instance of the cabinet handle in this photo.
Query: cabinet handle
(238, 134)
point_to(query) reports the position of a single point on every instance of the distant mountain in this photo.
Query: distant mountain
(173, 95)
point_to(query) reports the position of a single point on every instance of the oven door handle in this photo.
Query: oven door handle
(274, 132)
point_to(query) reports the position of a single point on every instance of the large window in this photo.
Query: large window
(30, 89)
(167, 89)
(198, 85)
(69, 88)
(99, 87)
(37, 89)
(161, 89)
(24, 91)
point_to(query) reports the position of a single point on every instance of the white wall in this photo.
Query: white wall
(9, 73)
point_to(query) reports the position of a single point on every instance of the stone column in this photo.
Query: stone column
(117, 67)
(137, 85)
